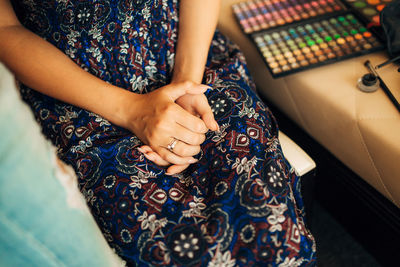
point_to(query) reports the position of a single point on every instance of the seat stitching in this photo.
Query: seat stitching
(369, 154)
(303, 122)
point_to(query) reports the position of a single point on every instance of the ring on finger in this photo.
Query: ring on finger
(172, 145)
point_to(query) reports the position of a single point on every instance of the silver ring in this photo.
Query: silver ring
(172, 145)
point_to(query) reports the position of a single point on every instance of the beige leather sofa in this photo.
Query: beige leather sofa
(361, 129)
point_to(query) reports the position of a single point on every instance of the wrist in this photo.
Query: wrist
(185, 79)
(185, 72)
(187, 83)
(118, 106)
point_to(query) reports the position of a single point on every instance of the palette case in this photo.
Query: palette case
(296, 35)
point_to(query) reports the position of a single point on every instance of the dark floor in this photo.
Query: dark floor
(335, 246)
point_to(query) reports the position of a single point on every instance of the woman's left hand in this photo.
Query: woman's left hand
(196, 105)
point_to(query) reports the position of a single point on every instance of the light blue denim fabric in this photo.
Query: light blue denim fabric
(38, 225)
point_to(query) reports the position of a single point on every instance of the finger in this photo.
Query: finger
(174, 169)
(145, 149)
(189, 121)
(204, 110)
(177, 90)
(157, 159)
(173, 158)
(209, 120)
(152, 156)
(184, 150)
(184, 135)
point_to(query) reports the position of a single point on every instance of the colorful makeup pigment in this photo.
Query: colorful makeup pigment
(256, 15)
(305, 45)
(369, 9)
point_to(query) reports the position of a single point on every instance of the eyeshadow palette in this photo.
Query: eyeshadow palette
(256, 15)
(313, 43)
(368, 9)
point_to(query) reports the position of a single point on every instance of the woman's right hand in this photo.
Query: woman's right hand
(157, 121)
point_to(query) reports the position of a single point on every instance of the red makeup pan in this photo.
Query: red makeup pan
(256, 15)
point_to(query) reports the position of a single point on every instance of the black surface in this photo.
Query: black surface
(335, 246)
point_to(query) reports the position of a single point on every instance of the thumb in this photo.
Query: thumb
(209, 121)
(204, 110)
(177, 90)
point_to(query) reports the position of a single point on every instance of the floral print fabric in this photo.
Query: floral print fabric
(240, 205)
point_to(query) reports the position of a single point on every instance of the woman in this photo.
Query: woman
(175, 172)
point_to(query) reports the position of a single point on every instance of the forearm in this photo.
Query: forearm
(197, 23)
(46, 69)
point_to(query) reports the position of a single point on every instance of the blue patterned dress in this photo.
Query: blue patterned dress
(240, 205)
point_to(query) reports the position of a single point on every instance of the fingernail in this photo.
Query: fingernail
(193, 161)
(216, 126)
(140, 150)
(168, 173)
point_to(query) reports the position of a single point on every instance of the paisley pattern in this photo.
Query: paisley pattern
(240, 205)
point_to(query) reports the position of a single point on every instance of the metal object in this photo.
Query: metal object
(368, 83)
(172, 145)
(382, 84)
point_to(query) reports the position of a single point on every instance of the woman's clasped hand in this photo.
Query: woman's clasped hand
(171, 121)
